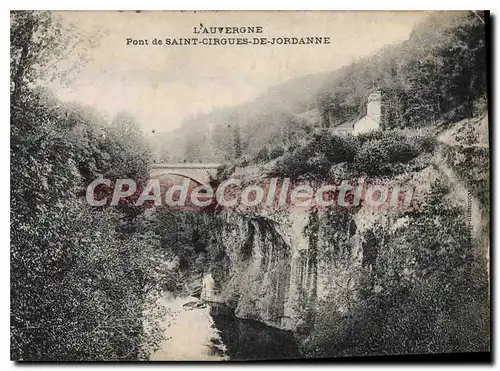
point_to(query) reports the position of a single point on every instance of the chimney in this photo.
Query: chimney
(374, 106)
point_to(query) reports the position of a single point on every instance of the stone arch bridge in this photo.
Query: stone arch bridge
(199, 173)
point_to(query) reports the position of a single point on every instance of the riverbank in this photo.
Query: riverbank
(211, 332)
(190, 333)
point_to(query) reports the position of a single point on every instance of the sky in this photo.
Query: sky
(162, 85)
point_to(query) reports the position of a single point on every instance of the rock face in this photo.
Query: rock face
(279, 265)
(259, 274)
(307, 271)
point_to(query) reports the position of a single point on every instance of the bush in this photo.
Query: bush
(384, 153)
(318, 164)
(427, 143)
(316, 157)
(224, 172)
(276, 152)
(293, 164)
(372, 135)
(261, 156)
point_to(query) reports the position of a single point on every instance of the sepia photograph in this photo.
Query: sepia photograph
(250, 185)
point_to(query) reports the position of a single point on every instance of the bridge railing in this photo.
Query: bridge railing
(185, 166)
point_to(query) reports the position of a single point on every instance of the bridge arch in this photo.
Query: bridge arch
(199, 173)
(198, 180)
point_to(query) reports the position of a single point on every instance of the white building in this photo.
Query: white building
(373, 115)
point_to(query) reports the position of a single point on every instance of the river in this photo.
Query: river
(214, 333)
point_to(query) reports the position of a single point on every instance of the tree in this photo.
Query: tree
(39, 41)
(80, 283)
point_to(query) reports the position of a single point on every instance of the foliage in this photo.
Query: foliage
(81, 277)
(470, 164)
(439, 70)
(79, 281)
(423, 291)
(39, 42)
(377, 153)
(315, 158)
(383, 156)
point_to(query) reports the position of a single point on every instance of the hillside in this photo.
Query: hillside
(270, 110)
(433, 76)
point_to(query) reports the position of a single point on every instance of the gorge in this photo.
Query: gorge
(336, 280)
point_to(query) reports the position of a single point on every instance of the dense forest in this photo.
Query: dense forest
(81, 277)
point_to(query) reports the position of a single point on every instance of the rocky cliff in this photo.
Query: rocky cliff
(286, 268)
